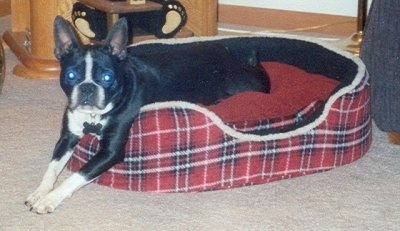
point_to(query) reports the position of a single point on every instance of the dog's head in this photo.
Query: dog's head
(90, 74)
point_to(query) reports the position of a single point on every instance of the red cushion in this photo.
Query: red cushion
(291, 90)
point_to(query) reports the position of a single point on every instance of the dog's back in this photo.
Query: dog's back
(202, 73)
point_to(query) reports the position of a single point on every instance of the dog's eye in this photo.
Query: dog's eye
(107, 78)
(71, 76)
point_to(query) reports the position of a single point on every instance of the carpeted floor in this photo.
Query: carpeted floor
(364, 195)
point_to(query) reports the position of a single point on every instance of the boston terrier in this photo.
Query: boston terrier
(106, 85)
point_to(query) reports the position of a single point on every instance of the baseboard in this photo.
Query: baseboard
(287, 20)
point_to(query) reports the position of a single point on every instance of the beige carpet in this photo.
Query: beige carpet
(364, 195)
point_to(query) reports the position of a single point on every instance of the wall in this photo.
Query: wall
(334, 7)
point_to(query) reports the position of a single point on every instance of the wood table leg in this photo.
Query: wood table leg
(394, 137)
(37, 61)
(111, 19)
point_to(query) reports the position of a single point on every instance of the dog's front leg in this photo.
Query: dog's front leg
(49, 202)
(110, 153)
(61, 155)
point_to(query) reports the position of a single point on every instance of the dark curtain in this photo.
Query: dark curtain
(381, 53)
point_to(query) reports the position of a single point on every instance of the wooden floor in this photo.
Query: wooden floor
(5, 7)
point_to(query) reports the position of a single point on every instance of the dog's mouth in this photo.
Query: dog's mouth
(87, 106)
(91, 109)
(85, 102)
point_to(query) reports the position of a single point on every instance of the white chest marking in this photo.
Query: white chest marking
(76, 119)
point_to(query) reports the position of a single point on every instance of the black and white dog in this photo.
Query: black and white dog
(106, 87)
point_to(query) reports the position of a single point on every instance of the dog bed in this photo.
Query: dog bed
(316, 118)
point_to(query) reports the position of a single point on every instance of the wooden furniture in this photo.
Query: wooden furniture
(5, 7)
(38, 62)
(202, 16)
(114, 9)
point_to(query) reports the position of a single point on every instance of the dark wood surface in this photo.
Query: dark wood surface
(120, 7)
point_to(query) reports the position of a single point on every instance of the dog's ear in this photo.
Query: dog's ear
(64, 37)
(117, 39)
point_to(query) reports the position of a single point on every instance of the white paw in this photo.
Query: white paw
(46, 204)
(42, 203)
(35, 196)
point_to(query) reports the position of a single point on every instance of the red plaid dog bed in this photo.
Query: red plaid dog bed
(317, 117)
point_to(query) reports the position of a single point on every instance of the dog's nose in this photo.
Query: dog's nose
(87, 93)
(87, 88)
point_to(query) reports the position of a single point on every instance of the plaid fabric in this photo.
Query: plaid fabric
(280, 123)
(180, 147)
